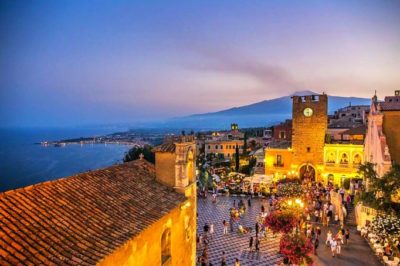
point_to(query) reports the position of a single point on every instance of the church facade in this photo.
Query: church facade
(309, 155)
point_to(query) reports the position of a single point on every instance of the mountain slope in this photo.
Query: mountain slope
(263, 113)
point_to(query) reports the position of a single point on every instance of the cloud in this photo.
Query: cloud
(269, 75)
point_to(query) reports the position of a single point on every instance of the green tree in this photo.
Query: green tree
(237, 158)
(382, 190)
(134, 154)
(368, 171)
(245, 144)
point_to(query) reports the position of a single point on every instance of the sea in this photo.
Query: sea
(23, 162)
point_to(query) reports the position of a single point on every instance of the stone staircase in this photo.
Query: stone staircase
(351, 217)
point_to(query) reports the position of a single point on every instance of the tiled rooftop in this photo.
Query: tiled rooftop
(81, 219)
(166, 147)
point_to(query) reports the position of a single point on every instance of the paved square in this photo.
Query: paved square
(234, 244)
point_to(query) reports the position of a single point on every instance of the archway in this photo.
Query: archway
(307, 172)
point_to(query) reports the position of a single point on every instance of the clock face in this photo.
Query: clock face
(308, 112)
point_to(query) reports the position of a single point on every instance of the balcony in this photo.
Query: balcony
(330, 164)
(344, 165)
(278, 164)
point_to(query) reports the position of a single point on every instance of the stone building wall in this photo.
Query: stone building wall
(391, 129)
(145, 249)
(309, 132)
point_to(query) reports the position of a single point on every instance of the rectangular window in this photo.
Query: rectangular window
(222, 147)
(216, 147)
(281, 134)
(209, 147)
(308, 149)
(278, 160)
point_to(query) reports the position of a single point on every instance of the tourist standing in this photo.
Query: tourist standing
(237, 262)
(249, 202)
(257, 244)
(224, 223)
(341, 192)
(223, 259)
(257, 229)
(251, 244)
(211, 230)
(206, 228)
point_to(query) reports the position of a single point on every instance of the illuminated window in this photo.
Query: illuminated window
(279, 160)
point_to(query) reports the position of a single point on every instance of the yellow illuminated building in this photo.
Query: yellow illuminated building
(308, 156)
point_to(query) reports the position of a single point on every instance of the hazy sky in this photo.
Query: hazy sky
(85, 62)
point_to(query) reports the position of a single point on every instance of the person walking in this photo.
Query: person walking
(223, 259)
(257, 244)
(211, 230)
(249, 202)
(338, 247)
(237, 262)
(333, 244)
(224, 223)
(328, 237)
(251, 244)
(347, 236)
(316, 244)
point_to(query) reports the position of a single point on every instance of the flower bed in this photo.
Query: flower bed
(297, 248)
(289, 189)
(281, 221)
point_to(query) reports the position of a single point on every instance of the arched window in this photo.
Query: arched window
(344, 158)
(357, 159)
(331, 157)
(166, 247)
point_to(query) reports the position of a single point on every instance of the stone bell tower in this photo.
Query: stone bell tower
(310, 120)
(176, 164)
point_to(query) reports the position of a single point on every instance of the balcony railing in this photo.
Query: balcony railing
(330, 164)
(344, 165)
(278, 164)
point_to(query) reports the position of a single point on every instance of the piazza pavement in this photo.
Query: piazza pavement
(236, 245)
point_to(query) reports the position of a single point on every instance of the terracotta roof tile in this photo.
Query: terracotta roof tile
(165, 147)
(82, 218)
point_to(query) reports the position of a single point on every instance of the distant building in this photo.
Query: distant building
(349, 116)
(129, 214)
(283, 131)
(224, 147)
(223, 143)
(382, 143)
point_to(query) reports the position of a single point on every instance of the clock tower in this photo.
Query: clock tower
(309, 124)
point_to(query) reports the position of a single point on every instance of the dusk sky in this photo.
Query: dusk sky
(103, 62)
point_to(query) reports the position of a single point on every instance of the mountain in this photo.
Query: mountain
(262, 113)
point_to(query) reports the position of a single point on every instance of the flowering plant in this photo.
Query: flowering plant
(281, 221)
(297, 248)
(289, 189)
(386, 226)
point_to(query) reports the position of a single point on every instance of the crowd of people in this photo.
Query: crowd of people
(232, 225)
(319, 215)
